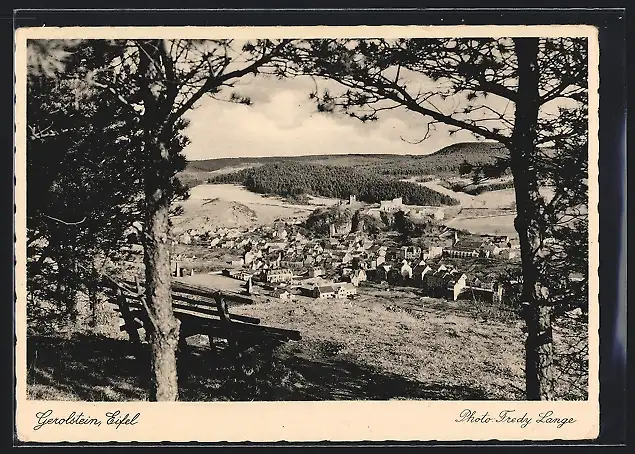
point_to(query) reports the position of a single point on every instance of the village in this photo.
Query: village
(285, 260)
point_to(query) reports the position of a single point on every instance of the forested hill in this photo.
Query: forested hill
(446, 161)
(295, 179)
(371, 177)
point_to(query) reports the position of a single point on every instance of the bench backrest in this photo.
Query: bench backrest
(192, 303)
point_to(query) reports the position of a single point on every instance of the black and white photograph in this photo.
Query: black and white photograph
(244, 218)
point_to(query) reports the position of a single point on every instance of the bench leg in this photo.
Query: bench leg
(182, 342)
(213, 350)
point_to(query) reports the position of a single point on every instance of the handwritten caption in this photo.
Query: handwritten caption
(111, 418)
(514, 417)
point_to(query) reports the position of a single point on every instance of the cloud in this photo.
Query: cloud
(283, 121)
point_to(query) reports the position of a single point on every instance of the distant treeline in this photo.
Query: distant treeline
(448, 160)
(294, 179)
(476, 190)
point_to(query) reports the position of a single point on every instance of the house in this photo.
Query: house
(418, 273)
(324, 291)
(233, 233)
(499, 240)
(345, 290)
(483, 291)
(410, 252)
(509, 253)
(292, 261)
(456, 286)
(257, 264)
(308, 260)
(282, 294)
(356, 276)
(340, 229)
(378, 261)
(317, 248)
(380, 274)
(278, 275)
(434, 284)
(465, 248)
(315, 272)
(433, 252)
(351, 279)
(239, 262)
(390, 206)
(248, 257)
(359, 262)
(405, 271)
(492, 248)
(237, 274)
(271, 247)
(274, 259)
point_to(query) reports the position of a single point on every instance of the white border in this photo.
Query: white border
(305, 421)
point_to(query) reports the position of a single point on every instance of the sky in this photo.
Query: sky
(283, 121)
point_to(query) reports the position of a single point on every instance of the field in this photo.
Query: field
(228, 205)
(381, 345)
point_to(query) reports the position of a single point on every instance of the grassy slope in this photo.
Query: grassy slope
(383, 345)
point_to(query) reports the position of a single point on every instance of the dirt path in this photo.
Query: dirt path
(464, 199)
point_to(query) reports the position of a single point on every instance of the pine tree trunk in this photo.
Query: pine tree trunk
(539, 347)
(164, 329)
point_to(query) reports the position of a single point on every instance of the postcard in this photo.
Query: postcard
(261, 234)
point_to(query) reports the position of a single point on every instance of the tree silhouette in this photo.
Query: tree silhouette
(530, 75)
(403, 224)
(158, 82)
(83, 186)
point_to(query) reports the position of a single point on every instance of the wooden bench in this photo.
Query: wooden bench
(201, 310)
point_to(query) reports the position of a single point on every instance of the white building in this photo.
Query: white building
(390, 206)
(278, 275)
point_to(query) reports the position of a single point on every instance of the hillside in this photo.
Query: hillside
(293, 179)
(203, 215)
(445, 160)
